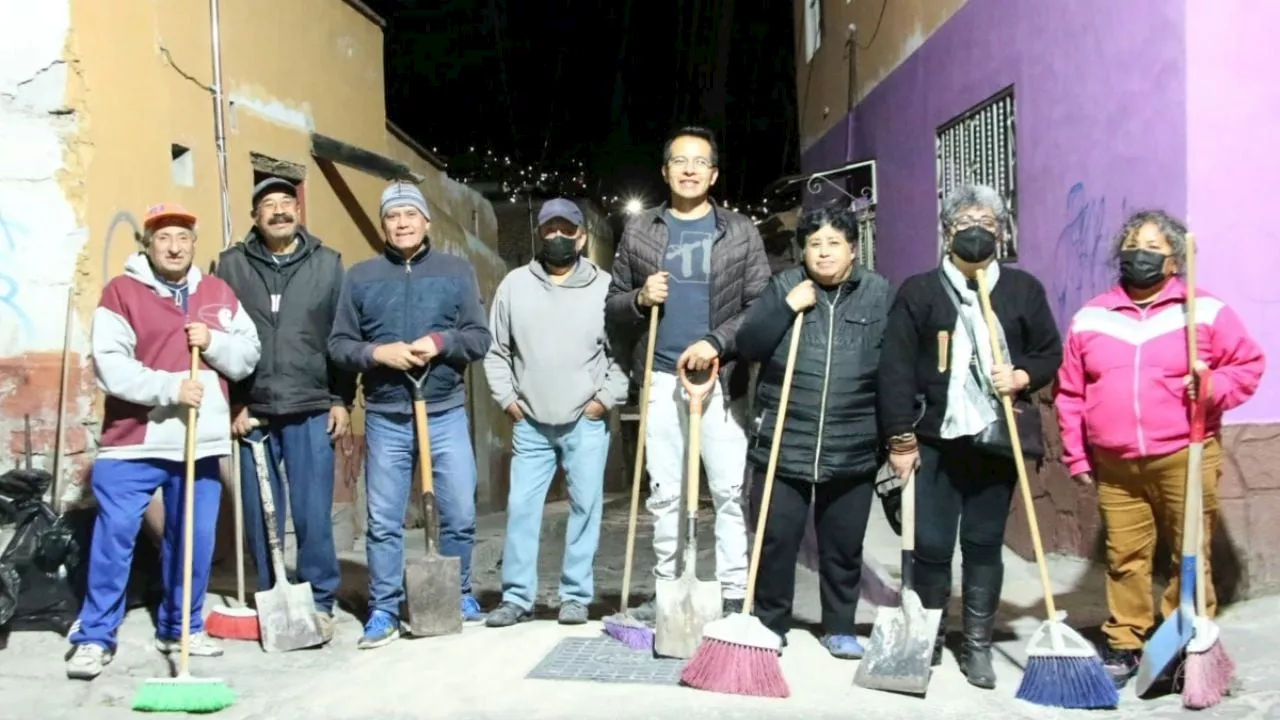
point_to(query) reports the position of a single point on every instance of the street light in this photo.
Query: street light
(634, 207)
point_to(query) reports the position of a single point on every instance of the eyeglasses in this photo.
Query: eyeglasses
(681, 162)
(966, 222)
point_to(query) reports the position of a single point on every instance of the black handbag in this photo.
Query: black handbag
(995, 439)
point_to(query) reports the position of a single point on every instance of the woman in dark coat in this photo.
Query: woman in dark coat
(938, 385)
(830, 447)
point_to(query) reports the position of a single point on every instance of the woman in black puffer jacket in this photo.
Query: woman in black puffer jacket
(830, 448)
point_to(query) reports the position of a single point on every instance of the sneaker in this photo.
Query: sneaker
(201, 646)
(506, 615)
(731, 607)
(645, 612)
(1121, 665)
(87, 661)
(383, 628)
(325, 621)
(845, 647)
(573, 613)
(471, 611)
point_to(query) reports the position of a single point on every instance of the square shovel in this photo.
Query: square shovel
(433, 582)
(286, 612)
(685, 605)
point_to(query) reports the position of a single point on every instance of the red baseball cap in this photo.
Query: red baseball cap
(167, 213)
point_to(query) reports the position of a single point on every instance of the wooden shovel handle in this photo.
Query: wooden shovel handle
(766, 494)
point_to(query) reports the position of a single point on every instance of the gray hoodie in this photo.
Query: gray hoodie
(550, 352)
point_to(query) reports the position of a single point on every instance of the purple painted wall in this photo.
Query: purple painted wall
(1100, 92)
(1233, 164)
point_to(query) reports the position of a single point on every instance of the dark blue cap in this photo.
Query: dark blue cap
(560, 208)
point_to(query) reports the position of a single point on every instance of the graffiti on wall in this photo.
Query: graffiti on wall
(1082, 266)
(10, 301)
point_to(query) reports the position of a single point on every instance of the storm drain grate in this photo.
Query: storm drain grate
(603, 659)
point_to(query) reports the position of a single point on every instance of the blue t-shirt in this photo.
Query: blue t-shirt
(686, 319)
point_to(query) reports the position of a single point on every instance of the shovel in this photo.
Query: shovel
(900, 652)
(286, 612)
(685, 605)
(433, 582)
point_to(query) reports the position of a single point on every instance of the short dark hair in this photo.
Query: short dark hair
(697, 131)
(837, 213)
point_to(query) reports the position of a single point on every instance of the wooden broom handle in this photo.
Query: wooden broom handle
(766, 495)
(1024, 484)
(188, 522)
(638, 470)
(1195, 477)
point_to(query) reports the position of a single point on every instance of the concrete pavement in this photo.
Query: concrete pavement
(481, 673)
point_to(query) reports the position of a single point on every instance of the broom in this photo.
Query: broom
(185, 693)
(1208, 669)
(1063, 669)
(738, 654)
(621, 626)
(240, 622)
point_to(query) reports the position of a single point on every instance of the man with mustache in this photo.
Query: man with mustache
(289, 282)
(415, 309)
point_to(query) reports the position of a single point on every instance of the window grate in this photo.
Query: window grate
(979, 147)
(866, 234)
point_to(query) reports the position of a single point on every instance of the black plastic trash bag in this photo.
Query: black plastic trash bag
(40, 556)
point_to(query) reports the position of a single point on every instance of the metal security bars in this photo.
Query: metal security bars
(979, 147)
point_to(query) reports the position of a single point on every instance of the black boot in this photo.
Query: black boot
(936, 597)
(981, 598)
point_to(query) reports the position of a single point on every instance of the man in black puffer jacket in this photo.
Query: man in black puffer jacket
(830, 448)
(288, 281)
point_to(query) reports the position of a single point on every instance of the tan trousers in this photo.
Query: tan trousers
(1140, 498)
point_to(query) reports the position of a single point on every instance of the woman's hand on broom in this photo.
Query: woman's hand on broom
(1197, 382)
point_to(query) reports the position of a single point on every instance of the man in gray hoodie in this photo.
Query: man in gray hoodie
(551, 368)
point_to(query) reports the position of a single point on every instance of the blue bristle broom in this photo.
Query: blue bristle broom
(1063, 669)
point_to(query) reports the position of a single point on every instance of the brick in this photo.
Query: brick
(31, 383)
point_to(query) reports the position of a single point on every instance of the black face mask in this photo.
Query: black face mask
(558, 251)
(1142, 269)
(974, 244)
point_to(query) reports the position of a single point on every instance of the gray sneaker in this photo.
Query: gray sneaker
(87, 661)
(506, 615)
(572, 612)
(201, 646)
(324, 620)
(645, 612)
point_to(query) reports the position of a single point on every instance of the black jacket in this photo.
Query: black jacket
(830, 430)
(294, 374)
(911, 373)
(739, 272)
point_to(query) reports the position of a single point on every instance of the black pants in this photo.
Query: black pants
(959, 488)
(841, 508)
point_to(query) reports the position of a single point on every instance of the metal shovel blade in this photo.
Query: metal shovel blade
(1165, 645)
(287, 617)
(433, 588)
(683, 608)
(900, 653)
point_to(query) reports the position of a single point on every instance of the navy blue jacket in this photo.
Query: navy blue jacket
(385, 300)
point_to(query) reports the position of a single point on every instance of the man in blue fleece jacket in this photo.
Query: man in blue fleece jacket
(414, 309)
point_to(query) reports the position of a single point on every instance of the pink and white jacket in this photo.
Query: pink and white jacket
(141, 357)
(1121, 385)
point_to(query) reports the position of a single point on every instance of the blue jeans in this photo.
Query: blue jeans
(302, 441)
(123, 489)
(583, 447)
(392, 450)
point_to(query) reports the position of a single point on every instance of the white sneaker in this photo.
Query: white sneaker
(87, 662)
(201, 646)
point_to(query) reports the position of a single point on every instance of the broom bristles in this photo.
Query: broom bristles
(1068, 682)
(183, 694)
(1206, 678)
(725, 667)
(228, 623)
(629, 631)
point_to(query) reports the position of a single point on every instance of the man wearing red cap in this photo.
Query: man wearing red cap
(145, 325)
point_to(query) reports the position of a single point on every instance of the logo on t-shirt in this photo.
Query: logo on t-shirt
(689, 257)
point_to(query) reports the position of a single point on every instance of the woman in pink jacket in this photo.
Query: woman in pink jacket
(1123, 404)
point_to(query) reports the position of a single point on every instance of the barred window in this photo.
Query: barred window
(979, 147)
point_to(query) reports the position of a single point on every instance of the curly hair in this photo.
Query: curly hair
(1173, 229)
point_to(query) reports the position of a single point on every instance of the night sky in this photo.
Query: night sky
(551, 83)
